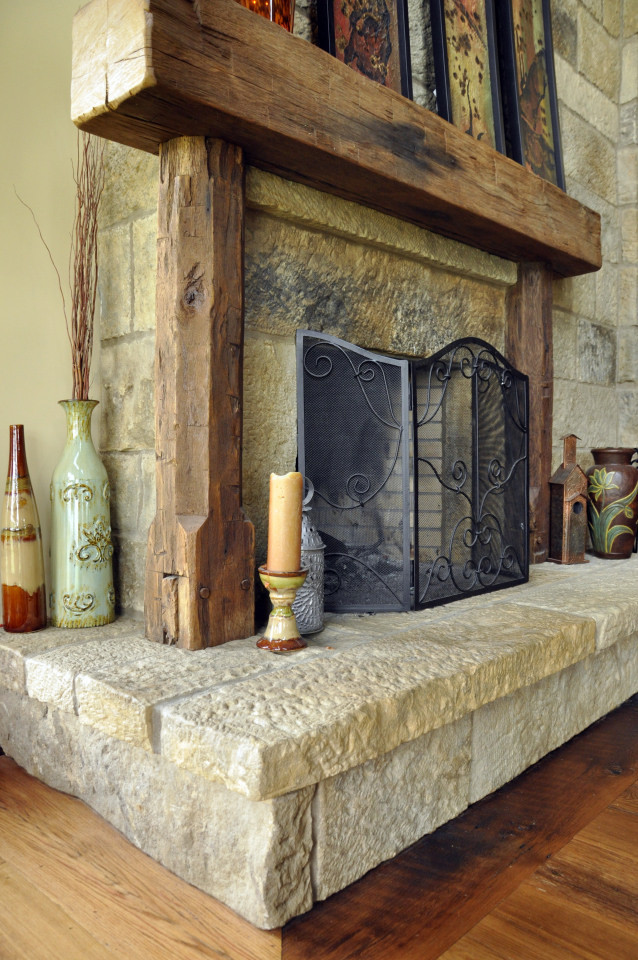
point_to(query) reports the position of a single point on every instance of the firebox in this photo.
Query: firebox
(419, 468)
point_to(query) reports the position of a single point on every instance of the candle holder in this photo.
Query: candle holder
(281, 633)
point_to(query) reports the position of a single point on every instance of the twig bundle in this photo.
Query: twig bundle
(83, 261)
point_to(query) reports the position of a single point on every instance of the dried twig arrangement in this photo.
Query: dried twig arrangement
(88, 174)
(83, 264)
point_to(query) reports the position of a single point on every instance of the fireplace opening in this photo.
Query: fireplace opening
(419, 468)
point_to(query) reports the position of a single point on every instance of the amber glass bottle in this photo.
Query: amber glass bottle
(21, 559)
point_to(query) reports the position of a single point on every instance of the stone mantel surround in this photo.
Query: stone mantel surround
(273, 781)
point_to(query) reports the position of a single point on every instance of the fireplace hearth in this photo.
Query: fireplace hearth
(420, 471)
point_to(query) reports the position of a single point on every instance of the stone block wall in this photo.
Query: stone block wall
(316, 262)
(596, 316)
(127, 255)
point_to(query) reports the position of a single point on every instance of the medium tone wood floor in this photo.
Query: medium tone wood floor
(545, 869)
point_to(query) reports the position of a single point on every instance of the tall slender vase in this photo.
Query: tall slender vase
(21, 560)
(612, 510)
(82, 593)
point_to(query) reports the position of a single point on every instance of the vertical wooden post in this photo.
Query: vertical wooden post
(529, 347)
(200, 557)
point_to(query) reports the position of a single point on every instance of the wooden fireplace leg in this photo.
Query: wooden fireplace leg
(200, 556)
(529, 347)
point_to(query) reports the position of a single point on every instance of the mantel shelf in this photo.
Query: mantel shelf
(147, 71)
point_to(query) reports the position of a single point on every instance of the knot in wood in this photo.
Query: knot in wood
(194, 293)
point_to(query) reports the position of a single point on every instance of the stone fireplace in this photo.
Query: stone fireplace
(311, 260)
(284, 779)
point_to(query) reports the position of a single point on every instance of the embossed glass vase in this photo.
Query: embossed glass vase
(82, 593)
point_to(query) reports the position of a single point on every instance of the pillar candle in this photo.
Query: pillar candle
(284, 523)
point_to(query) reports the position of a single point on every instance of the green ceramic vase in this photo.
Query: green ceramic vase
(82, 593)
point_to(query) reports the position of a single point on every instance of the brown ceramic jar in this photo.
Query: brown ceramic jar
(613, 502)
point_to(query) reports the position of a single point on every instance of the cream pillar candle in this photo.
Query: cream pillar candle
(284, 523)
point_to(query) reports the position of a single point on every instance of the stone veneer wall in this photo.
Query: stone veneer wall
(596, 316)
(316, 262)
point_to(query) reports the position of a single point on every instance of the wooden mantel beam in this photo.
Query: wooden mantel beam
(148, 71)
(200, 556)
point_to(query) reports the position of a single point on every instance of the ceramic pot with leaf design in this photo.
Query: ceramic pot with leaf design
(612, 509)
(82, 593)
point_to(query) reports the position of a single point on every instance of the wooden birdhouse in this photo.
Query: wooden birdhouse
(568, 508)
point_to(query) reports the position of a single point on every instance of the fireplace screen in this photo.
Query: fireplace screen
(419, 470)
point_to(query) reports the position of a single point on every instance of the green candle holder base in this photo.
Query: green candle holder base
(282, 634)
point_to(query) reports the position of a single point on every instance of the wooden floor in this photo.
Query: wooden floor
(546, 868)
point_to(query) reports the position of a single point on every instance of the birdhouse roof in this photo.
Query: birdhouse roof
(571, 477)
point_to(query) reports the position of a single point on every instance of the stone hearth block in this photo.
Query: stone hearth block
(17, 649)
(119, 698)
(371, 813)
(610, 599)
(255, 857)
(267, 735)
(514, 732)
(271, 782)
(50, 677)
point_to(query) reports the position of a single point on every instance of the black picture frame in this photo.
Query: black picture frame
(348, 28)
(469, 43)
(531, 122)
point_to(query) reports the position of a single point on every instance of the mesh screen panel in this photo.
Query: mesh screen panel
(419, 469)
(355, 417)
(471, 463)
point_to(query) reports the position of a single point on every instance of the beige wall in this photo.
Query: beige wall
(37, 143)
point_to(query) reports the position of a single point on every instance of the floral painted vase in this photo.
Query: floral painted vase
(612, 510)
(21, 558)
(82, 593)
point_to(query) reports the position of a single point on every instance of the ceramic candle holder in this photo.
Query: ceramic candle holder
(281, 633)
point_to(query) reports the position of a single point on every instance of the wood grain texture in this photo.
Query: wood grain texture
(148, 71)
(85, 893)
(529, 347)
(582, 903)
(56, 934)
(200, 534)
(420, 904)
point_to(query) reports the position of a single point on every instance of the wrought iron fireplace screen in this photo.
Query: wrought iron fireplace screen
(419, 468)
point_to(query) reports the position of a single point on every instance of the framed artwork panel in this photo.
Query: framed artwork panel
(371, 36)
(528, 82)
(466, 68)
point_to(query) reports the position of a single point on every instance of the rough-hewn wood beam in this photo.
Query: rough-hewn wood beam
(147, 71)
(529, 347)
(200, 559)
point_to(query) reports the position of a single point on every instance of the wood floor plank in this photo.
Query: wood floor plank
(128, 902)
(419, 904)
(582, 903)
(628, 800)
(594, 877)
(614, 830)
(35, 928)
(529, 925)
